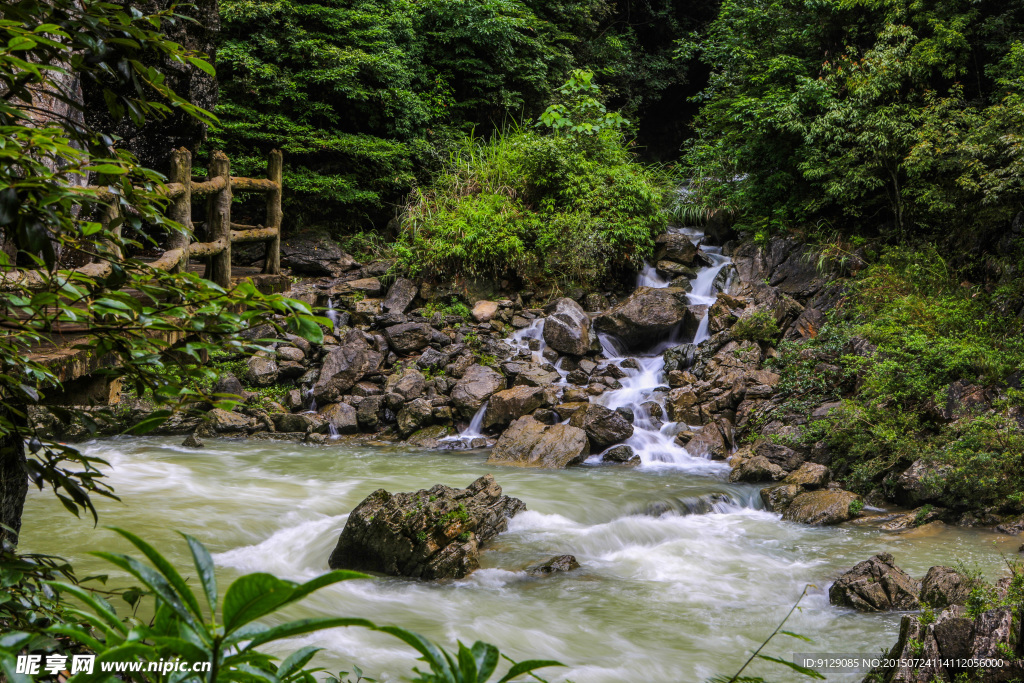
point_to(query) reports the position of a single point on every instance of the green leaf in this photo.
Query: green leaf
(487, 658)
(521, 668)
(796, 635)
(432, 654)
(166, 569)
(296, 661)
(253, 596)
(108, 169)
(205, 569)
(303, 626)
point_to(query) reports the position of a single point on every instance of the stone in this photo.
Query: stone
(477, 385)
(944, 586)
(315, 256)
(876, 585)
(675, 247)
(648, 315)
(783, 456)
(408, 337)
(341, 417)
(603, 427)
(809, 476)
(568, 409)
(529, 443)
(510, 404)
(567, 327)
(822, 507)
(369, 412)
(533, 375)
(708, 442)
(433, 359)
(683, 405)
(192, 441)
(414, 415)
(365, 310)
(484, 311)
(621, 455)
(261, 370)
(779, 497)
(289, 369)
(756, 469)
(297, 422)
(368, 286)
(560, 563)
(921, 483)
(291, 353)
(223, 421)
(409, 384)
(229, 385)
(430, 534)
(346, 365)
(400, 296)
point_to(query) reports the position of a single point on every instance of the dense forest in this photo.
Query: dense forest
(758, 262)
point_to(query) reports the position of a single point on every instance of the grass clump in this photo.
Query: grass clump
(758, 326)
(908, 337)
(570, 206)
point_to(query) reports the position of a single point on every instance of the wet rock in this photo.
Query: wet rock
(809, 476)
(876, 585)
(675, 247)
(261, 370)
(484, 311)
(567, 327)
(533, 375)
(560, 563)
(626, 413)
(414, 415)
(400, 296)
(708, 441)
(822, 507)
(370, 411)
(621, 454)
(683, 405)
(510, 404)
(340, 416)
(430, 437)
(477, 385)
(529, 443)
(408, 337)
(429, 534)
(229, 385)
(756, 469)
(315, 256)
(604, 427)
(568, 409)
(944, 586)
(346, 365)
(291, 353)
(298, 422)
(783, 456)
(647, 315)
(409, 384)
(192, 441)
(225, 422)
(779, 497)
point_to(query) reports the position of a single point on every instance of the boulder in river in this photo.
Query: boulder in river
(831, 506)
(477, 385)
(647, 315)
(876, 585)
(430, 534)
(567, 327)
(510, 404)
(529, 443)
(604, 427)
(945, 586)
(560, 563)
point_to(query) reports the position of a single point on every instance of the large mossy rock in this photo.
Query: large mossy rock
(530, 443)
(510, 404)
(567, 327)
(648, 315)
(822, 507)
(434, 533)
(945, 586)
(876, 585)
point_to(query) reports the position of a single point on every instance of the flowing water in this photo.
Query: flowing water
(662, 595)
(682, 573)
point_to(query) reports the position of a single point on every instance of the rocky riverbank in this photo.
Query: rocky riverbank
(543, 385)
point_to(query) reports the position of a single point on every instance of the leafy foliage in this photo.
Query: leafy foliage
(903, 116)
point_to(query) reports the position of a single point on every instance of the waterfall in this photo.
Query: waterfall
(332, 314)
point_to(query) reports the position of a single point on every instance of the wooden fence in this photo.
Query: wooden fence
(219, 187)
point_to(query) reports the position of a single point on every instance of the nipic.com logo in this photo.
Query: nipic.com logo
(33, 665)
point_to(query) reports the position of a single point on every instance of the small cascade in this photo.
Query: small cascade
(531, 340)
(649, 277)
(332, 431)
(333, 315)
(645, 386)
(696, 505)
(473, 435)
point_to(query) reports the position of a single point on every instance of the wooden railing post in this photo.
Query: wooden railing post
(181, 206)
(218, 220)
(272, 258)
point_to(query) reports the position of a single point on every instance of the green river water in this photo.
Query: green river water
(665, 597)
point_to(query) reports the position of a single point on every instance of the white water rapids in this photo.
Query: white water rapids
(682, 575)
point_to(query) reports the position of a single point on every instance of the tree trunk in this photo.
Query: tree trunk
(13, 481)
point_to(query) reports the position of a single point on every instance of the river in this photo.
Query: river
(682, 573)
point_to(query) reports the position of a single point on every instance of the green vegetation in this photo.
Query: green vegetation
(887, 116)
(758, 326)
(570, 206)
(366, 98)
(193, 624)
(924, 366)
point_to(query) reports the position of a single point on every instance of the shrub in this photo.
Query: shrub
(758, 326)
